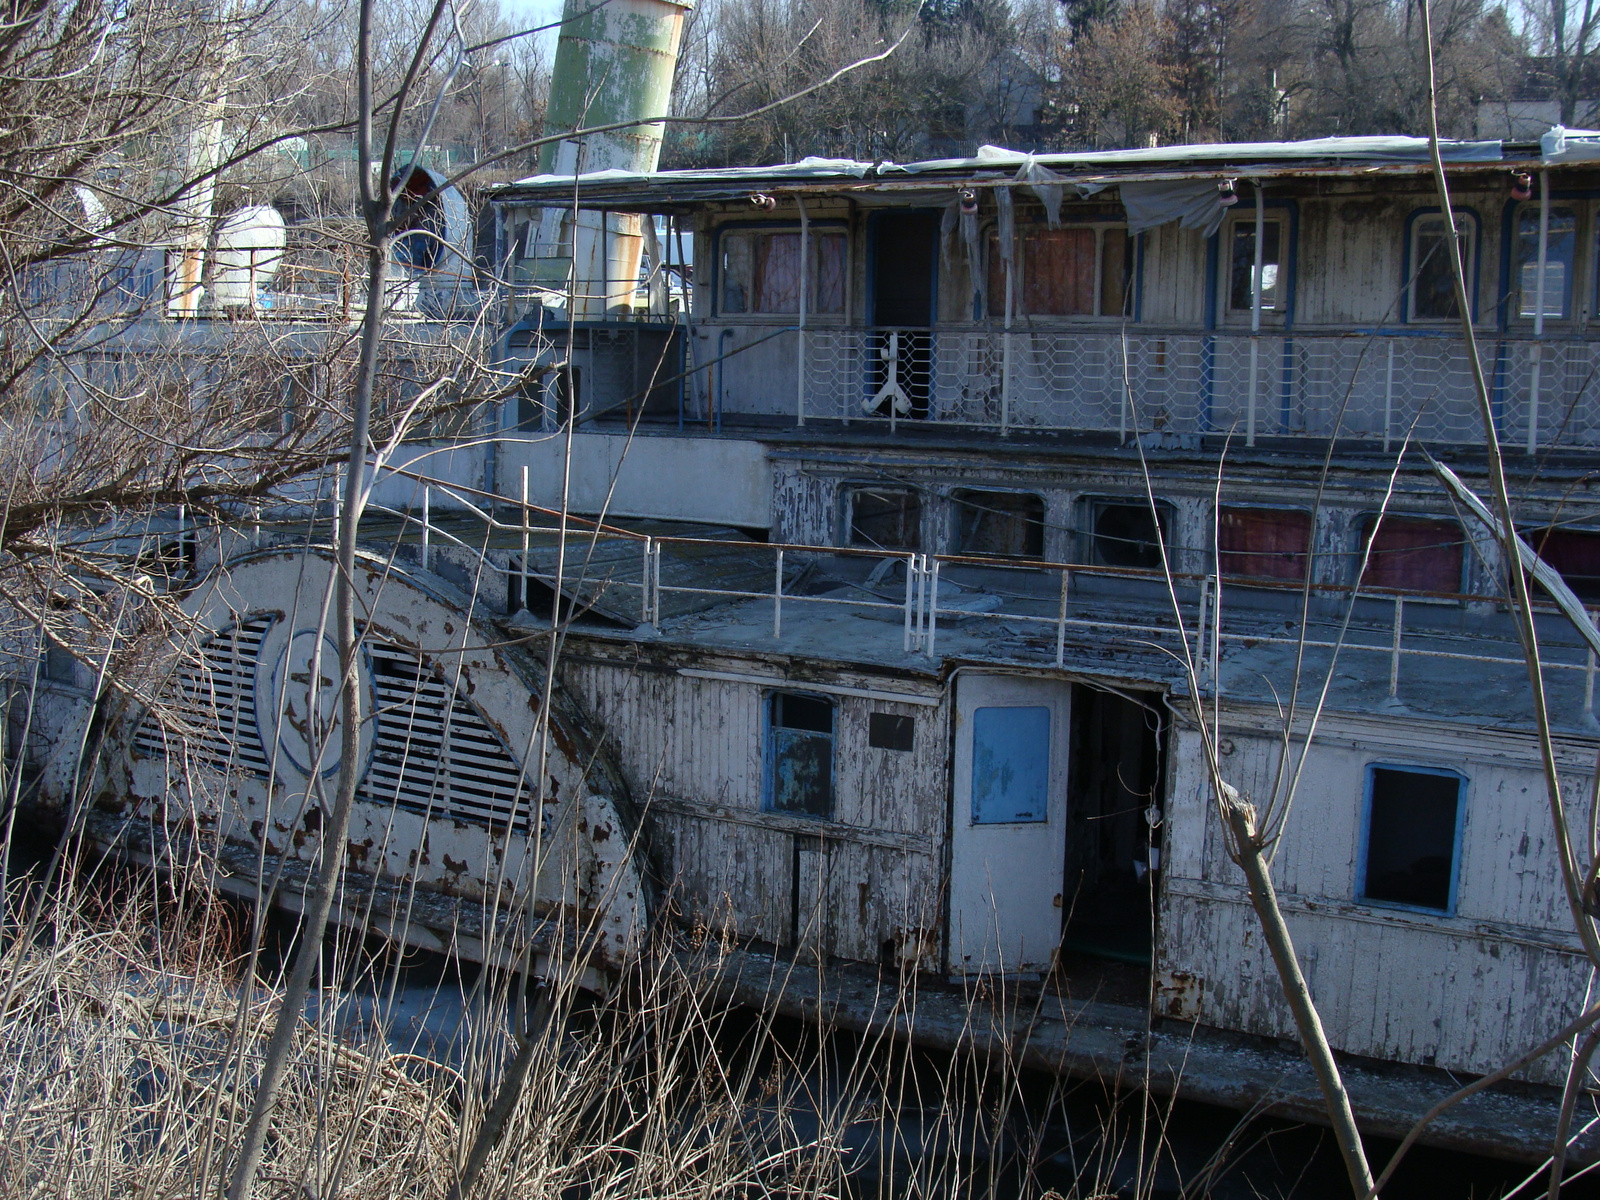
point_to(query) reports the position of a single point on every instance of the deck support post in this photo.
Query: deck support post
(777, 599)
(800, 332)
(1394, 648)
(1255, 312)
(1061, 619)
(1388, 399)
(522, 596)
(1538, 313)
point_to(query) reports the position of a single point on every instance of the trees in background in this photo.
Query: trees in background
(1049, 74)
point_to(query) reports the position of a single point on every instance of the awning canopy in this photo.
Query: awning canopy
(995, 166)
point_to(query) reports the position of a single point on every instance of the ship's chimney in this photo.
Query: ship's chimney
(613, 63)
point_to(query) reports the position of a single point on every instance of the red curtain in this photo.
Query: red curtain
(1263, 543)
(1414, 555)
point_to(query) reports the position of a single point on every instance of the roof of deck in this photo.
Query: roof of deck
(995, 165)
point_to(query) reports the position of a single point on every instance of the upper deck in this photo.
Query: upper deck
(1279, 293)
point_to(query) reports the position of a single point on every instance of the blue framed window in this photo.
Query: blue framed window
(1429, 280)
(1010, 765)
(800, 734)
(1411, 837)
(1241, 293)
(1561, 246)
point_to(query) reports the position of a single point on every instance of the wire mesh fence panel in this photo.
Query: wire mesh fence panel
(1380, 388)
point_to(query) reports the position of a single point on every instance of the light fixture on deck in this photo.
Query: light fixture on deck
(762, 201)
(969, 202)
(1227, 193)
(1522, 186)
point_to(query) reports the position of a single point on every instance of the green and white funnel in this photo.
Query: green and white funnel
(613, 63)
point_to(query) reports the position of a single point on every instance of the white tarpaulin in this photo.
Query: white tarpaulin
(1561, 145)
(1193, 203)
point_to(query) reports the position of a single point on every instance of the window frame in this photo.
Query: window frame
(818, 225)
(1088, 539)
(1219, 265)
(1369, 777)
(1364, 523)
(957, 537)
(847, 514)
(1243, 217)
(1514, 294)
(1535, 534)
(1241, 580)
(1473, 268)
(769, 753)
(1100, 226)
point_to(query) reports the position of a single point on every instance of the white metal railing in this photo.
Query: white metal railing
(1048, 604)
(1379, 387)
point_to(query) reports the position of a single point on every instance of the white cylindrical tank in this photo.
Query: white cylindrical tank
(250, 246)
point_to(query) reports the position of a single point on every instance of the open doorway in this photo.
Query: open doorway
(905, 262)
(1114, 804)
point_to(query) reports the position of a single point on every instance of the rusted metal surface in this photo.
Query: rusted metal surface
(431, 813)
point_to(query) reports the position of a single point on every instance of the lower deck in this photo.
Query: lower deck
(1089, 1018)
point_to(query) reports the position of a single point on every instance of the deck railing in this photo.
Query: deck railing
(1379, 387)
(1212, 612)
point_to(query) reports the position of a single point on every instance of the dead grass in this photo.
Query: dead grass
(131, 1043)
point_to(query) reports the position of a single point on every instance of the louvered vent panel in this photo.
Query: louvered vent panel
(213, 701)
(433, 751)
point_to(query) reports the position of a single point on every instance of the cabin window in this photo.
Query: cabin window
(1075, 271)
(1241, 290)
(1560, 246)
(1010, 765)
(884, 518)
(890, 731)
(558, 393)
(1575, 553)
(1412, 554)
(1010, 524)
(800, 754)
(1412, 837)
(1263, 543)
(1125, 533)
(1430, 281)
(760, 271)
(59, 665)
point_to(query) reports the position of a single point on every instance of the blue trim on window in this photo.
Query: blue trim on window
(741, 226)
(1405, 257)
(769, 760)
(1366, 826)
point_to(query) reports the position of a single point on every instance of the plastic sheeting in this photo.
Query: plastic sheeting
(1193, 203)
(1561, 145)
(1366, 149)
